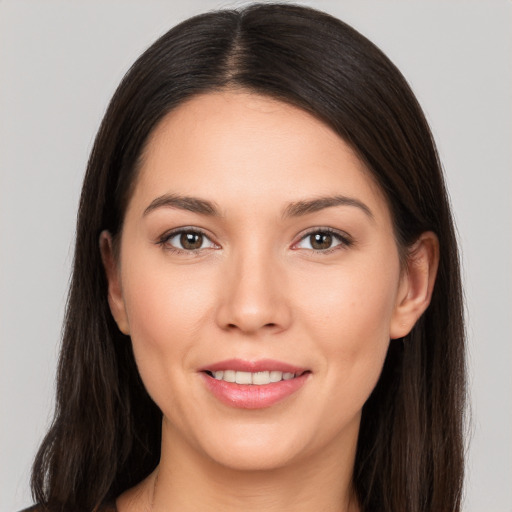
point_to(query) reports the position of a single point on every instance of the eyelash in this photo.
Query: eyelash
(344, 240)
(166, 237)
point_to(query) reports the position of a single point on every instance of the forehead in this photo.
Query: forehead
(231, 144)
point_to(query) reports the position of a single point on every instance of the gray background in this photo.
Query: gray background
(60, 62)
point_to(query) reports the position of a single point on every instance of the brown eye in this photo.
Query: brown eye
(320, 241)
(191, 241)
(187, 241)
(324, 240)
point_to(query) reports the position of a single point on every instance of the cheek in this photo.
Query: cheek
(353, 303)
(165, 301)
(350, 320)
(167, 307)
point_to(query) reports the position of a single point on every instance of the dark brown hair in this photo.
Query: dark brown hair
(106, 432)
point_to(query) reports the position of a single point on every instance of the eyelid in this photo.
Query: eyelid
(168, 235)
(344, 238)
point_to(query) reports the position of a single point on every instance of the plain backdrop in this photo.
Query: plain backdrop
(60, 62)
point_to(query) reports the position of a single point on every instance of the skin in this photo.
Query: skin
(257, 289)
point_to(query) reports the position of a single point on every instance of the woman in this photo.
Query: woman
(265, 309)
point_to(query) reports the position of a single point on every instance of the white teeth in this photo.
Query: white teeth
(276, 376)
(256, 378)
(261, 378)
(229, 375)
(243, 378)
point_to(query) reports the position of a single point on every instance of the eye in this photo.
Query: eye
(187, 240)
(323, 240)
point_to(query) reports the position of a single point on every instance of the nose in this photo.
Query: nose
(254, 298)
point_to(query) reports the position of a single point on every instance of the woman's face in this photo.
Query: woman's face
(256, 248)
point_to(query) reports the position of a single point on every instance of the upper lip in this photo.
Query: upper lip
(261, 365)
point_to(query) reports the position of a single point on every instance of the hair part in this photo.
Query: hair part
(106, 432)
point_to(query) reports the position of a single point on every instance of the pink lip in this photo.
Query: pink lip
(261, 365)
(249, 396)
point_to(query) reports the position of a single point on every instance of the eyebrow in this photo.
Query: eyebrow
(192, 204)
(306, 207)
(295, 209)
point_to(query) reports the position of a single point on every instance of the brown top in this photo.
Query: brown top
(107, 507)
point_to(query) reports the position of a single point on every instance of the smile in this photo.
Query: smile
(253, 385)
(252, 378)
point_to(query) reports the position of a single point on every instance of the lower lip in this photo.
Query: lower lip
(250, 396)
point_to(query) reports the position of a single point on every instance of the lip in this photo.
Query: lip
(261, 365)
(249, 396)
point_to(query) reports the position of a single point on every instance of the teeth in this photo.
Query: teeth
(256, 378)
(243, 378)
(276, 376)
(229, 375)
(261, 378)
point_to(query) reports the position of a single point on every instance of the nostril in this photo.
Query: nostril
(270, 325)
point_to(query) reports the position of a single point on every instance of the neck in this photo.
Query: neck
(187, 480)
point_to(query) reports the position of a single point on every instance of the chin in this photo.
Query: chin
(259, 447)
(254, 458)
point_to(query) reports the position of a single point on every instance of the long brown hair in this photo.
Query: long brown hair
(106, 432)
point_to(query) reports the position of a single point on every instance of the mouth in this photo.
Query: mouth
(253, 385)
(253, 378)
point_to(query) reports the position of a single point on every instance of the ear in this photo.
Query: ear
(115, 294)
(416, 285)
